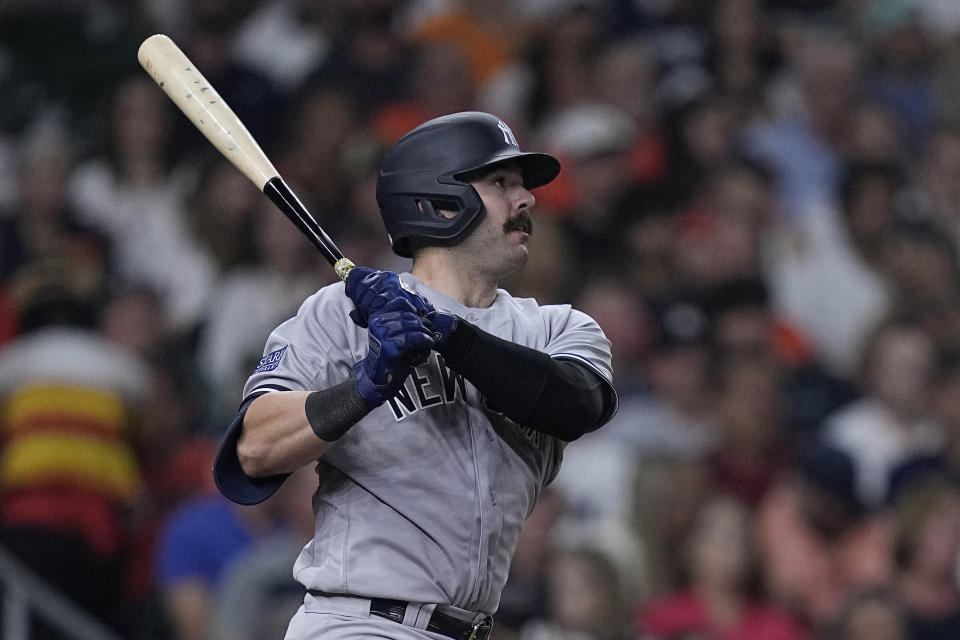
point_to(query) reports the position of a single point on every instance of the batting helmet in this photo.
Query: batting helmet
(423, 172)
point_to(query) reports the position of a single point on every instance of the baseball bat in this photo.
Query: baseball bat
(199, 101)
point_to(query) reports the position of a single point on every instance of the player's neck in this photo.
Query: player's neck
(439, 270)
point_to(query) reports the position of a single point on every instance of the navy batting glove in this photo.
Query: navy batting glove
(397, 336)
(441, 324)
(370, 290)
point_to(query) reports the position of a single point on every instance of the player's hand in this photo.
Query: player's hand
(441, 324)
(397, 335)
(371, 290)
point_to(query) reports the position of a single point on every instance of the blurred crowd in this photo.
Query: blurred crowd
(760, 205)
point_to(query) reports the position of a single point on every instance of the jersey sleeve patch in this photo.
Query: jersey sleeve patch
(270, 361)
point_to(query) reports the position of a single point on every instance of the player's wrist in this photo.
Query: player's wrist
(441, 325)
(332, 412)
(457, 340)
(371, 394)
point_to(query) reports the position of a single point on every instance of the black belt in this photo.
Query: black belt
(479, 628)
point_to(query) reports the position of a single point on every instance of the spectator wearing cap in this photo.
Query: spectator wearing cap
(673, 429)
(676, 416)
(649, 237)
(593, 141)
(620, 481)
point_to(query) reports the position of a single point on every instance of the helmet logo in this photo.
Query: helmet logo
(507, 134)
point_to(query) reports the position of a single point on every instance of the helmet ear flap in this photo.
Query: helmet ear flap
(441, 221)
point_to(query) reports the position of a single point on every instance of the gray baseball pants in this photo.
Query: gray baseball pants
(348, 618)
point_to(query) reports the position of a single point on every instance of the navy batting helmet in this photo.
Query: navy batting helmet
(422, 175)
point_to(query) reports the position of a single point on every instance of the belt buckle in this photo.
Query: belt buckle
(481, 627)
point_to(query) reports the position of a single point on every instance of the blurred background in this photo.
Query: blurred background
(760, 205)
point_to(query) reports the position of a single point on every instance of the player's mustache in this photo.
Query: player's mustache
(520, 222)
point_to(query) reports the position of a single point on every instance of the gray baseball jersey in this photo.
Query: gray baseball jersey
(423, 499)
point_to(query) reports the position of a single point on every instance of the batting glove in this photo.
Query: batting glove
(371, 290)
(397, 337)
(441, 324)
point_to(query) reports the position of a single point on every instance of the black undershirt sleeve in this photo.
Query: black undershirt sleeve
(559, 397)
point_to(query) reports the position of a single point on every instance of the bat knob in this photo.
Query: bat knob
(343, 267)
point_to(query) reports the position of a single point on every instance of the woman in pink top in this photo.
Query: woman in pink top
(721, 600)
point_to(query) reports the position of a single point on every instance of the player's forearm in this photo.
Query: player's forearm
(277, 437)
(282, 431)
(558, 397)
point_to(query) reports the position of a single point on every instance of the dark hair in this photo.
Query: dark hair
(737, 294)
(854, 174)
(833, 472)
(947, 363)
(108, 111)
(928, 235)
(56, 306)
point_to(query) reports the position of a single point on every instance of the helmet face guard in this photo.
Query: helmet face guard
(420, 176)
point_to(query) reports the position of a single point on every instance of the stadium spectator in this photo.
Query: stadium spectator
(927, 550)
(134, 193)
(722, 598)
(893, 420)
(71, 486)
(818, 544)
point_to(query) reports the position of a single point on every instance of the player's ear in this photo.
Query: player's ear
(437, 207)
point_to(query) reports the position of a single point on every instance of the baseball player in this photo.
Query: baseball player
(434, 404)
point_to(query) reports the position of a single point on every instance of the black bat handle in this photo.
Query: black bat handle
(286, 200)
